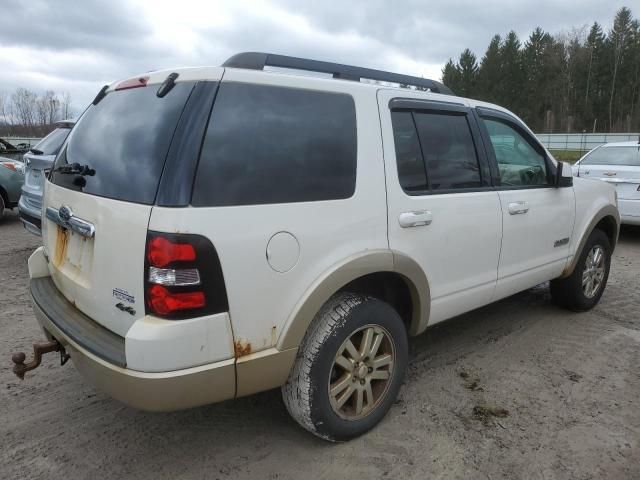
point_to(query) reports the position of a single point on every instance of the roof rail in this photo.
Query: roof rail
(259, 60)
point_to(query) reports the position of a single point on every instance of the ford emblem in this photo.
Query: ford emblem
(65, 213)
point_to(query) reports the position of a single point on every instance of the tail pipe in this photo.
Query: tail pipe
(39, 349)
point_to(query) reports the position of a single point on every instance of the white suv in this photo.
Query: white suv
(215, 232)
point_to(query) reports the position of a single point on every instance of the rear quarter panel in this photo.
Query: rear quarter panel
(261, 299)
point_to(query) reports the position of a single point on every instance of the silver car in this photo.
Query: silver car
(618, 164)
(38, 161)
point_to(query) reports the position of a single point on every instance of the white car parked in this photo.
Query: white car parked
(215, 232)
(619, 165)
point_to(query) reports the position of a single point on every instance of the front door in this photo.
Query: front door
(442, 211)
(537, 217)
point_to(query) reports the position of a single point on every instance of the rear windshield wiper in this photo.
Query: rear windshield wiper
(75, 169)
(35, 151)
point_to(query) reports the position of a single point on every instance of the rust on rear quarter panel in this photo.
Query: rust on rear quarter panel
(241, 348)
(62, 241)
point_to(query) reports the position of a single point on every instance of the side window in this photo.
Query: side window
(448, 150)
(267, 144)
(519, 163)
(411, 173)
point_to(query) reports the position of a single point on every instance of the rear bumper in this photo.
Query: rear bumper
(108, 360)
(30, 215)
(629, 211)
(99, 355)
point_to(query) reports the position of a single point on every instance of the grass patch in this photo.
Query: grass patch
(571, 156)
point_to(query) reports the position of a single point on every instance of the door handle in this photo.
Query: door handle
(518, 208)
(415, 219)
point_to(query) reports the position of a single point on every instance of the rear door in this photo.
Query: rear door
(442, 210)
(537, 218)
(99, 200)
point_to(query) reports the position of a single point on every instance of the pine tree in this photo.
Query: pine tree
(619, 42)
(586, 82)
(490, 72)
(451, 76)
(468, 68)
(512, 72)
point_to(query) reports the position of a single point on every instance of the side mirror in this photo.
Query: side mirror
(564, 176)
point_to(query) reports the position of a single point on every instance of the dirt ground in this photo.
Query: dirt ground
(518, 389)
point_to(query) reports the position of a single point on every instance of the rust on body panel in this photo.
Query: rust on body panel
(241, 348)
(62, 242)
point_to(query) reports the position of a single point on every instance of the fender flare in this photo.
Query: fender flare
(606, 211)
(347, 270)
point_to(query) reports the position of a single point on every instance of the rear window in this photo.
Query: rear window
(50, 145)
(623, 156)
(267, 144)
(125, 140)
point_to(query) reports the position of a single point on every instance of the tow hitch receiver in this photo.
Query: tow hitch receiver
(39, 349)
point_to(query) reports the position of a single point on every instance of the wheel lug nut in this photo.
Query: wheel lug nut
(370, 369)
(362, 382)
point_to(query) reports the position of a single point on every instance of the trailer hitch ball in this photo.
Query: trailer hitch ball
(39, 349)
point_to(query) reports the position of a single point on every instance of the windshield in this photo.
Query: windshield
(622, 156)
(118, 148)
(50, 145)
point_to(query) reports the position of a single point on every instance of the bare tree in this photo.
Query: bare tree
(65, 106)
(23, 106)
(4, 118)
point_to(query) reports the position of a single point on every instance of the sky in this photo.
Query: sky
(78, 46)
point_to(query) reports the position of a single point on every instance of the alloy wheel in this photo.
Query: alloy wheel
(593, 273)
(361, 372)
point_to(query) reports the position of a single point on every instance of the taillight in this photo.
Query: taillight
(183, 276)
(164, 302)
(11, 166)
(161, 252)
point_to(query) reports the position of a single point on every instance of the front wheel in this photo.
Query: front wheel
(582, 290)
(349, 368)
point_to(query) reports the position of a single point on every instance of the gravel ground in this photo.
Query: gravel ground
(517, 389)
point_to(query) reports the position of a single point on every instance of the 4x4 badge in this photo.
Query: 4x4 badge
(125, 308)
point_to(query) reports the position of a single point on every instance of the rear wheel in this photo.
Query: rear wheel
(349, 368)
(583, 288)
(1, 206)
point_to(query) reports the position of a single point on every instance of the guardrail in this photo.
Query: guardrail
(582, 142)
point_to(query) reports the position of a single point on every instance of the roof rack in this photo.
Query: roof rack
(259, 60)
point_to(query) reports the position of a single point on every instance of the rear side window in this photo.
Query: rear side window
(267, 144)
(124, 140)
(50, 145)
(627, 156)
(449, 151)
(411, 172)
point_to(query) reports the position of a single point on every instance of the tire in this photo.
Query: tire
(2, 206)
(347, 317)
(570, 292)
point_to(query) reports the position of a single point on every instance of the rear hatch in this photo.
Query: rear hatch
(106, 179)
(617, 165)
